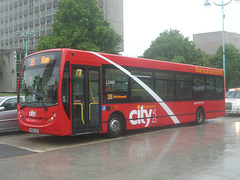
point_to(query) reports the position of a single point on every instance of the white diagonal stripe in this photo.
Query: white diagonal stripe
(141, 83)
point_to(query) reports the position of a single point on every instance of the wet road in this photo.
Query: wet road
(208, 151)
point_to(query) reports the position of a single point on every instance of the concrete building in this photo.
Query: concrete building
(13, 61)
(210, 42)
(113, 12)
(36, 16)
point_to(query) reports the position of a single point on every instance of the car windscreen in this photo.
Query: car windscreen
(233, 94)
(1, 99)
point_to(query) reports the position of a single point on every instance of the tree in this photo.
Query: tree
(173, 46)
(232, 64)
(2, 63)
(80, 24)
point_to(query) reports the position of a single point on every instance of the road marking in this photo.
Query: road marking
(22, 147)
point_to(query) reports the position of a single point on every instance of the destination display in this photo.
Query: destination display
(41, 60)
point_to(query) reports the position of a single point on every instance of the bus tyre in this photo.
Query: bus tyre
(115, 126)
(200, 116)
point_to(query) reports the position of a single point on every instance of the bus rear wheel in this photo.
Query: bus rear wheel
(115, 126)
(200, 116)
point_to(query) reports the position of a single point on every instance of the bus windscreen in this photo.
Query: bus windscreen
(39, 80)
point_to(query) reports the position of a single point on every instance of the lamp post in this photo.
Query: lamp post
(206, 4)
(26, 36)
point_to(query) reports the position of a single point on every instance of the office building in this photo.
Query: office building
(210, 42)
(35, 17)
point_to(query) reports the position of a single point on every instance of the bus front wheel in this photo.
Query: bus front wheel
(115, 126)
(200, 116)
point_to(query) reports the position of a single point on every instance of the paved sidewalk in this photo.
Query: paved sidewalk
(209, 151)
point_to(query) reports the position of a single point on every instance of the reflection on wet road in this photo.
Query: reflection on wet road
(208, 151)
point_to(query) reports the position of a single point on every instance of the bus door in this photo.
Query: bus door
(85, 99)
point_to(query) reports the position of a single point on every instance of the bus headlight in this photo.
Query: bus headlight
(51, 118)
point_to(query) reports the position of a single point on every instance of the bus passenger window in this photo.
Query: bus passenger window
(198, 87)
(115, 80)
(219, 88)
(183, 90)
(165, 89)
(115, 86)
(210, 88)
(138, 93)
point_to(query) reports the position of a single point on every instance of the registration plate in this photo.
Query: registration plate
(33, 130)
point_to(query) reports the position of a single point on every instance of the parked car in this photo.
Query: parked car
(8, 113)
(232, 101)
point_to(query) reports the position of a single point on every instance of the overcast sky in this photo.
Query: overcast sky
(144, 20)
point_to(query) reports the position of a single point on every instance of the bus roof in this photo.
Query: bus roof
(86, 56)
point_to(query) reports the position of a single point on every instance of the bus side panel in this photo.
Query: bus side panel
(215, 109)
(212, 109)
(144, 115)
(104, 126)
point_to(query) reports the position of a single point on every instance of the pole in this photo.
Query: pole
(26, 45)
(26, 35)
(223, 39)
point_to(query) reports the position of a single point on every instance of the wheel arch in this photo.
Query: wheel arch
(198, 109)
(120, 114)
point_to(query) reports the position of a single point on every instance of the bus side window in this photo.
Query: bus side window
(198, 87)
(116, 86)
(210, 88)
(184, 86)
(219, 88)
(138, 93)
(66, 89)
(183, 90)
(115, 80)
(165, 89)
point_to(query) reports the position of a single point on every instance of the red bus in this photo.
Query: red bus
(70, 92)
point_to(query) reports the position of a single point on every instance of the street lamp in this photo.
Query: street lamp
(207, 4)
(26, 36)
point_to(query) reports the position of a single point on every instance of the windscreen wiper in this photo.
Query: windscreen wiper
(23, 106)
(41, 99)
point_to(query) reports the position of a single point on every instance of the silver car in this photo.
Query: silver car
(8, 113)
